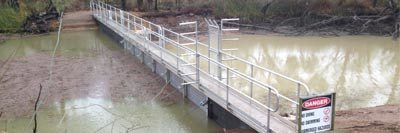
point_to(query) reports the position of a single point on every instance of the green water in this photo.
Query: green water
(101, 115)
(87, 114)
(71, 44)
(364, 71)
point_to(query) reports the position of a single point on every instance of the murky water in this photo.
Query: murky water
(101, 115)
(364, 71)
(72, 44)
(98, 114)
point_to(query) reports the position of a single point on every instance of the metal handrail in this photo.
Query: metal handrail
(250, 79)
(126, 19)
(259, 67)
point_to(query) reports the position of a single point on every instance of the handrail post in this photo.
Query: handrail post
(219, 54)
(151, 32)
(97, 8)
(160, 42)
(141, 23)
(109, 15)
(163, 39)
(90, 6)
(269, 110)
(115, 14)
(94, 7)
(252, 76)
(129, 23)
(121, 13)
(103, 10)
(197, 57)
(209, 49)
(134, 23)
(177, 54)
(100, 10)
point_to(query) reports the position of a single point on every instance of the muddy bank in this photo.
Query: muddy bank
(78, 20)
(105, 74)
(384, 118)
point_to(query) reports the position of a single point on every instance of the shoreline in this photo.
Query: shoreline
(384, 118)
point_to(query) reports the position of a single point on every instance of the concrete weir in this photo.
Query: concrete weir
(215, 112)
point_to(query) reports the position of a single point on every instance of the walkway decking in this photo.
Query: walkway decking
(246, 108)
(238, 104)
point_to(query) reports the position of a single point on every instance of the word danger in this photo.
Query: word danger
(316, 103)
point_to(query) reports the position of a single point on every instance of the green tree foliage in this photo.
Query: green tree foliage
(13, 13)
(11, 19)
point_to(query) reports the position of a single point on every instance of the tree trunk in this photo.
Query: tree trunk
(140, 5)
(149, 4)
(123, 5)
(156, 5)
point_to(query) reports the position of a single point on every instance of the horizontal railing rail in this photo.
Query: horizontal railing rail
(159, 36)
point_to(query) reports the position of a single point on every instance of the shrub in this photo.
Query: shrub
(11, 20)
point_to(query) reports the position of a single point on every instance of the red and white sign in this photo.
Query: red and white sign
(316, 113)
(316, 102)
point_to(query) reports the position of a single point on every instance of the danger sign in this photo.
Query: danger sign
(316, 113)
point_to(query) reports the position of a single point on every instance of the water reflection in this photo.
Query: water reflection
(363, 70)
(72, 44)
(100, 115)
(97, 111)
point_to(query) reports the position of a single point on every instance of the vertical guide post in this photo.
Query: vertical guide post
(227, 87)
